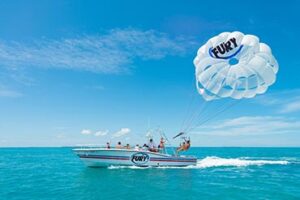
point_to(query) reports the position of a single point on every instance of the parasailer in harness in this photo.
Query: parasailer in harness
(184, 146)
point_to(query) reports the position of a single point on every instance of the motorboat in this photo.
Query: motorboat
(105, 157)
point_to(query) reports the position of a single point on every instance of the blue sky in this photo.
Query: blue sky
(84, 72)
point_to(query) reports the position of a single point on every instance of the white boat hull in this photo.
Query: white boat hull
(101, 157)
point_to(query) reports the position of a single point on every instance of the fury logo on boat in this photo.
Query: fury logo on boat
(140, 158)
(225, 47)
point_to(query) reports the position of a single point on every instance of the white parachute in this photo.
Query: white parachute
(234, 65)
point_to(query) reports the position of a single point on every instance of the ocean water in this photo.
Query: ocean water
(221, 173)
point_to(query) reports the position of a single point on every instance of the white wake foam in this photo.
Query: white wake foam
(235, 162)
(213, 161)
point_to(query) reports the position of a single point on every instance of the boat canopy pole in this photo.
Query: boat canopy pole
(164, 136)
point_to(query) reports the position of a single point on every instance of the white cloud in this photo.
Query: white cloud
(285, 101)
(101, 133)
(3, 141)
(112, 52)
(98, 87)
(121, 132)
(4, 92)
(60, 136)
(278, 96)
(61, 128)
(291, 107)
(86, 132)
(249, 125)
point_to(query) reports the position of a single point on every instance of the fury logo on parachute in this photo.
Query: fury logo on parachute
(224, 48)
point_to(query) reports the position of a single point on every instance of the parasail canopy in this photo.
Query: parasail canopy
(234, 65)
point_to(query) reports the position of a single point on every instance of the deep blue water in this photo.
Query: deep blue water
(221, 173)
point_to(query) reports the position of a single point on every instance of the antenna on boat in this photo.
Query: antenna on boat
(148, 123)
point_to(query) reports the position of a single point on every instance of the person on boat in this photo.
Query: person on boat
(137, 147)
(161, 146)
(162, 143)
(185, 146)
(119, 146)
(108, 145)
(181, 146)
(145, 147)
(127, 146)
(152, 146)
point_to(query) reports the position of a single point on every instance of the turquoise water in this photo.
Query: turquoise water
(221, 173)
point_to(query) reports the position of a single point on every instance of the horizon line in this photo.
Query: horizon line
(2, 147)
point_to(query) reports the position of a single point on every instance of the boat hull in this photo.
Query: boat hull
(100, 157)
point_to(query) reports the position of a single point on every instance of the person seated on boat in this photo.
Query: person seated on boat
(108, 145)
(152, 146)
(145, 147)
(119, 146)
(127, 146)
(137, 147)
